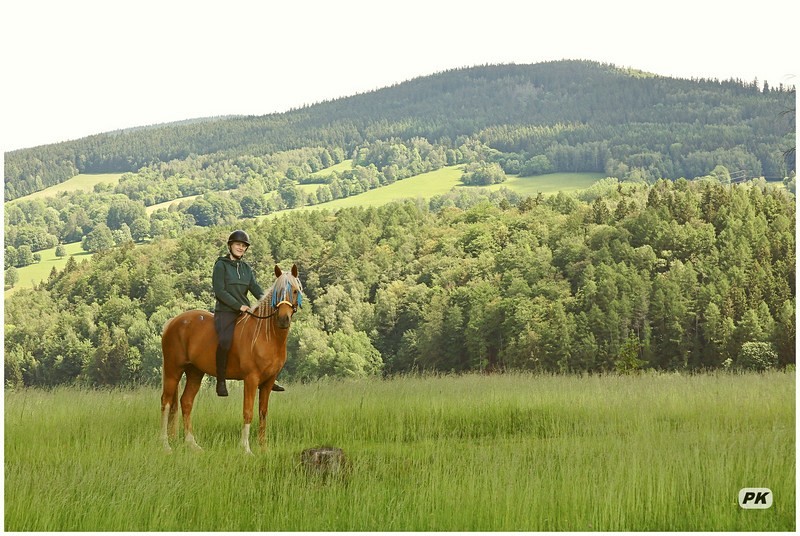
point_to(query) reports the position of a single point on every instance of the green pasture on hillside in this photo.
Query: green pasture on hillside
(441, 181)
(344, 165)
(505, 452)
(167, 204)
(424, 186)
(35, 273)
(552, 183)
(84, 181)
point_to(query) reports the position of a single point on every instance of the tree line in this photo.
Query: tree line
(228, 189)
(250, 186)
(625, 276)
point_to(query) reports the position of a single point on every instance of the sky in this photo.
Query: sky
(81, 67)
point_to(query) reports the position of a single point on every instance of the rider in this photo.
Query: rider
(232, 279)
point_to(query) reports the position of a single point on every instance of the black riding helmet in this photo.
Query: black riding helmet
(239, 236)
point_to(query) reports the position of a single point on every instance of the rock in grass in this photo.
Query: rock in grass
(325, 461)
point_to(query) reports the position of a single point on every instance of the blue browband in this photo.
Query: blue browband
(284, 294)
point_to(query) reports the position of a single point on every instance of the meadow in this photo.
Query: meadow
(552, 183)
(424, 186)
(81, 182)
(35, 273)
(342, 166)
(438, 182)
(505, 452)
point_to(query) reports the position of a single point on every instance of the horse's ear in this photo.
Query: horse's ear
(278, 271)
(294, 270)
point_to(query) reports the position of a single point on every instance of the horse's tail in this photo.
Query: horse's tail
(171, 373)
(166, 324)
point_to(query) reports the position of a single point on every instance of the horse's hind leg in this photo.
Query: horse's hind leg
(264, 391)
(194, 378)
(173, 415)
(169, 407)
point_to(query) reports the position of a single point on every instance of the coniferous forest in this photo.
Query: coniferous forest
(683, 259)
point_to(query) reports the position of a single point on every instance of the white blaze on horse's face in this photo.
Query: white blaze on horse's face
(284, 317)
(286, 297)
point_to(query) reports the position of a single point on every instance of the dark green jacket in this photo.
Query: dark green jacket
(231, 280)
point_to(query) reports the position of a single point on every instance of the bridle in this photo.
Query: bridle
(273, 313)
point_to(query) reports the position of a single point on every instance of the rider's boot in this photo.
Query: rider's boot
(222, 364)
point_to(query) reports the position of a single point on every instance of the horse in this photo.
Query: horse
(257, 355)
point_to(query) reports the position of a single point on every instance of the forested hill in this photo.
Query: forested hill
(581, 115)
(680, 276)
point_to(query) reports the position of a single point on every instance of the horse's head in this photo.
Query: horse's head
(287, 296)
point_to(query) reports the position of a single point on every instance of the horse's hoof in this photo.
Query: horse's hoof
(191, 443)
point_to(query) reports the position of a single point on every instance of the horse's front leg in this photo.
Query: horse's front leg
(263, 401)
(250, 388)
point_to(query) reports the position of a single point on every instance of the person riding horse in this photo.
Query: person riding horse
(231, 279)
(257, 354)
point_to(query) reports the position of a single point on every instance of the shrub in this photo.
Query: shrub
(757, 356)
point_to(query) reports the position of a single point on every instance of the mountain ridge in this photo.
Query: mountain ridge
(449, 105)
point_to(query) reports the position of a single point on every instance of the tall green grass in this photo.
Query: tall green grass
(512, 452)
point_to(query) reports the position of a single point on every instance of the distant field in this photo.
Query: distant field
(35, 273)
(84, 182)
(551, 183)
(441, 181)
(338, 168)
(422, 186)
(167, 204)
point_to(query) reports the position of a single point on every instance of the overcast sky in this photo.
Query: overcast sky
(73, 68)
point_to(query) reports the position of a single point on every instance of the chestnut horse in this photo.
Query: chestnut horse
(257, 355)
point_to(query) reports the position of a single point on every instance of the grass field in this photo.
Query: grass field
(344, 165)
(425, 186)
(35, 273)
(514, 452)
(551, 183)
(85, 182)
(441, 181)
(166, 204)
